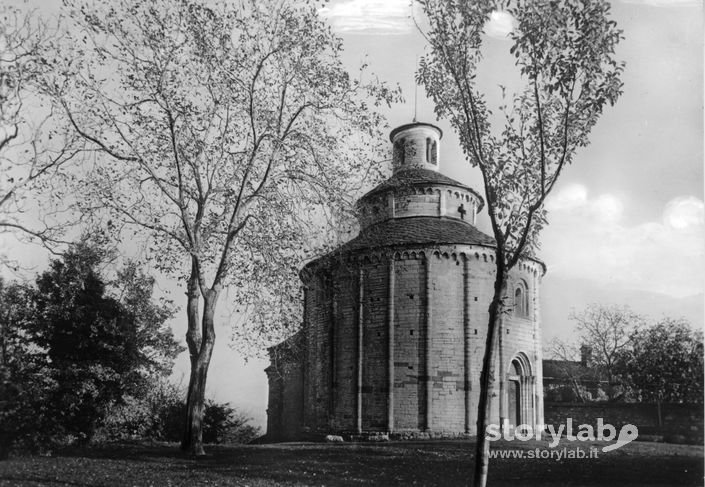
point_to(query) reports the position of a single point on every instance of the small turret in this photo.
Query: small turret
(416, 145)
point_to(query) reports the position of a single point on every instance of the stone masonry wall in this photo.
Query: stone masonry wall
(409, 316)
(447, 344)
(440, 299)
(292, 401)
(318, 314)
(374, 359)
(345, 349)
(684, 420)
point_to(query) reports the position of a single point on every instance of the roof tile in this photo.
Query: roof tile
(414, 176)
(418, 230)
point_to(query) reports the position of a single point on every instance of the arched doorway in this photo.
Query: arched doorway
(520, 394)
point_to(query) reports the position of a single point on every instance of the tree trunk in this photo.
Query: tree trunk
(200, 342)
(577, 390)
(193, 433)
(487, 379)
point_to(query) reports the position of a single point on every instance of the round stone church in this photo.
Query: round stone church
(395, 320)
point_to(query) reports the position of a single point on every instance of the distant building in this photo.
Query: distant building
(574, 380)
(395, 320)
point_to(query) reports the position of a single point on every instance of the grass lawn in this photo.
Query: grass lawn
(432, 463)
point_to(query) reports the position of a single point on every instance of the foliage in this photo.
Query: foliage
(664, 363)
(98, 348)
(223, 424)
(659, 363)
(159, 416)
(227, 126)
(229, 135)
(134, 290)
(25, 420)
(72, 350)
(607, 331)
(155, 415)
(34, 145)
(564, 53)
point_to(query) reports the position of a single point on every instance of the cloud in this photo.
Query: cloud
(666, 3)
(684, 212)
(388, 17)
(587, 238)
(394, 17)
(500, 25)
(574, 198)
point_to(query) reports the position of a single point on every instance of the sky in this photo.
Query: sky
(626, 219)
(629, 211)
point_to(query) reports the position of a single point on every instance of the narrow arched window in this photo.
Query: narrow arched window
(399, 151)
(428, 149)
(434, 153)
(521, 301)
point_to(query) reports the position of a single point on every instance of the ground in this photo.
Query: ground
(427, 463)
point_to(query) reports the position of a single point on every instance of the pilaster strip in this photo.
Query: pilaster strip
(390, 345)
(360, 336)
(427, 344)
(304, 354)
(466, 341)
(333, 344)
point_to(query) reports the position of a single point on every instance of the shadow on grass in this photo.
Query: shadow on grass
(427, 463)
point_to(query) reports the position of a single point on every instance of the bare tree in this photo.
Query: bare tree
(607, 330)
(564, 52)
(229, 134)
(33, 146)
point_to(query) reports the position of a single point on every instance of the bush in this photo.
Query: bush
(160, 416)
(222, 424)
(155, 416)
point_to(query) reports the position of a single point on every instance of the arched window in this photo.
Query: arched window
(399, 151)
(521, 301)
(434, 153)
(428, 149)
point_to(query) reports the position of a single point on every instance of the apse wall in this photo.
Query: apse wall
(433, 303)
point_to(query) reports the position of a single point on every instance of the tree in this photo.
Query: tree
(134, 291)
(564, 52)
(71, 349)
(20, 385)
(97, 348)
(664, 363)
(227, 133)
(34, 147)
(607, 330)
